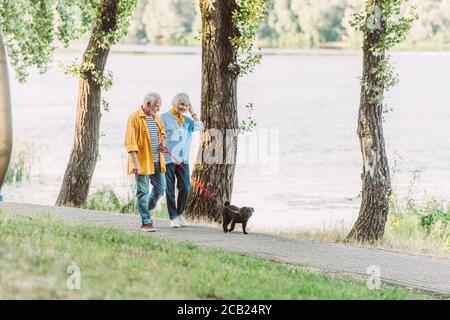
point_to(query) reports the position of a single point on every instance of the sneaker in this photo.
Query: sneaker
(148, 227)
(182, 221)
(174, 223)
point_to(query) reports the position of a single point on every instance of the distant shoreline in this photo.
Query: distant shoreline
(192, 50)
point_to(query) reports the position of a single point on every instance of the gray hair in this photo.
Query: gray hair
(151, 97)
(180, 97)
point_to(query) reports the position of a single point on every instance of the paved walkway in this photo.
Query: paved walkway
(425, 273)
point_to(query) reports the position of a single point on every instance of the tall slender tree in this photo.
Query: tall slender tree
(228, 32)
(30, 30)
(110, 25)
(5, 115)
(382, 29)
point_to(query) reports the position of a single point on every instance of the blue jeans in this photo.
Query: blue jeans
(147, 201)
(183, 185)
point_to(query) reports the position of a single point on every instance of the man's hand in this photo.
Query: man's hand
(135, 163)
(136, 168)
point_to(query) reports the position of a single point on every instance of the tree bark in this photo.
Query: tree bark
(5, 114)
(376, 184)
(218, 111)
(83, 158)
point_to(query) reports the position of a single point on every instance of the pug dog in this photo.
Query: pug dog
(235, 215)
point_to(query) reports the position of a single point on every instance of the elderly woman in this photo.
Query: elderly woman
(179, 128)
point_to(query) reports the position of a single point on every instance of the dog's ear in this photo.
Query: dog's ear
(227, 203)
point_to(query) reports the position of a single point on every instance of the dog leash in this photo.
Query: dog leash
(198, 184)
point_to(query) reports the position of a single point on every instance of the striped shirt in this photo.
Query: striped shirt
(153, 131)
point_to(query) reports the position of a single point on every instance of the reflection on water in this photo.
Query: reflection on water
(311, 100)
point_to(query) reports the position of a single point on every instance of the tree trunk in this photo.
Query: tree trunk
(83, 158)
(5, 114)
(376, 184)
(218, 111)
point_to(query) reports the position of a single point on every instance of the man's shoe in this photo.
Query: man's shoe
(174, 223)
(182, 221)
(148, 227)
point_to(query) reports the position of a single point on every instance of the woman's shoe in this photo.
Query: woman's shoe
(174, 223)
(182, 221)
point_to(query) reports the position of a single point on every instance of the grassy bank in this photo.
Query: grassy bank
(36, 252)
(423, 229)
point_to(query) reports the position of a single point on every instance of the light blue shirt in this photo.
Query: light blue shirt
(179, 137)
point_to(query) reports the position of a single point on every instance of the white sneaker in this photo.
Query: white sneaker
(182, 221)
(174, 223)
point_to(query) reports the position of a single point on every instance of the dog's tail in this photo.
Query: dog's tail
(227, 203)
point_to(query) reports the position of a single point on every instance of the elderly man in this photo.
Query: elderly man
(144, 141)
(179, 130)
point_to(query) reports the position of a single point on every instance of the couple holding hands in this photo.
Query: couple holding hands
(151, 142)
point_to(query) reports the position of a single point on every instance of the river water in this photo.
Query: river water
(303, 172)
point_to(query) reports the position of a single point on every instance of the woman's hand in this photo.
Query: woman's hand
(191, 111)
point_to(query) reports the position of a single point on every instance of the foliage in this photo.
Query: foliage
(427, 224)
(31, 29)
(21, 161)
(116, 28)
(172, 22)
(76, 69)
(247, 19)
(382, 21)
(249, 124)
(435, 220)
(290, 23)
(108, 200)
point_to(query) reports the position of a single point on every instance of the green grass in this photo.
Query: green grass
(107, 200)
(420, 228)
(36, 252)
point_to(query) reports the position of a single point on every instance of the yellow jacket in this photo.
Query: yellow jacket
(137, 139)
